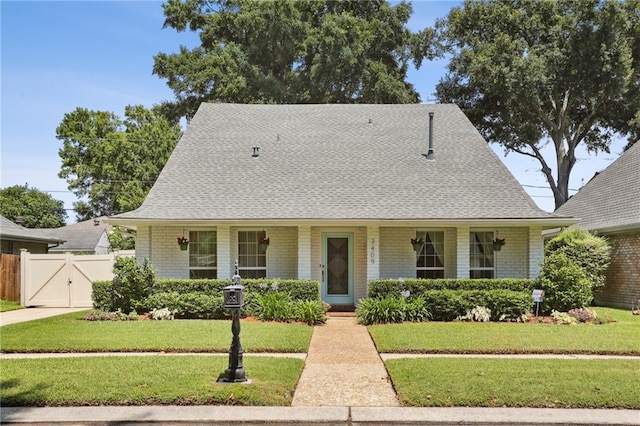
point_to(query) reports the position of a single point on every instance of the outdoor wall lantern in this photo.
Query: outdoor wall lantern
(233, 300)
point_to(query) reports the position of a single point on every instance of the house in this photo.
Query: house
(14, 237)
(338, 192)
(86, 237)
(609, 205)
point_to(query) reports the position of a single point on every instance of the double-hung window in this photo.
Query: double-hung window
(430, 260)
(481, 258)
(252, 257)
(203, 255)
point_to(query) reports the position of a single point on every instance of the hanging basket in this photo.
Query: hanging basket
(497, 244)
(417, 247)
(183, 246)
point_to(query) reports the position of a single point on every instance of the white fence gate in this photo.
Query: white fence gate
(62, 280)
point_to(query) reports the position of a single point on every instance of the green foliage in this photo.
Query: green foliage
(188, 305)
(121, 238)
(590, 252)
(416, 310)
(131, 285)
(37, 209)
(529, 72)
(274, 306)
(478, 314)
(379, 289)
(163, 314)
(111, 316)
(564, 283)
(380, 311)
(99, 150)
(310, 312)
(289, 52)
(101, 295)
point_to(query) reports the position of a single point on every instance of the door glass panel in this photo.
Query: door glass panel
(338, 266)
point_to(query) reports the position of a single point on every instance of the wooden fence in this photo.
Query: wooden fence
(9, 277)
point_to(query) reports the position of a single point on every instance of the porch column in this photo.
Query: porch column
(373, 253)
(304, 252)
(462, 252)
(536, 250)
(224, 252)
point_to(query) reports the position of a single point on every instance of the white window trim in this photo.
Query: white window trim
(483, 268)
(444, 252)
(251, 268)
(202, 268)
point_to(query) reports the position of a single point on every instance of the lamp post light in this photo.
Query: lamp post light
(233, 300)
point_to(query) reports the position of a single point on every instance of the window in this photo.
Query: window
(203, 254)
(252, 258)
(481, 255)
(430, 260)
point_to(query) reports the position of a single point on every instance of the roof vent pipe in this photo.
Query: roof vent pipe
(430, 154)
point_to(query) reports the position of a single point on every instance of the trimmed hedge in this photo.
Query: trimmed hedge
(379, 289)
(203, 298)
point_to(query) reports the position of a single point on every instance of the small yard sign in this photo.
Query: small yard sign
(538, 296)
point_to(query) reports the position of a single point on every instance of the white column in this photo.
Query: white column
(536, 250)
(462, 252)
(373, 253)
(304, 252)
(225, 263)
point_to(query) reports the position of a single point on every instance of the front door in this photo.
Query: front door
(337, 268)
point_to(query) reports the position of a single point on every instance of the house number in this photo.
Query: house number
(373, 250)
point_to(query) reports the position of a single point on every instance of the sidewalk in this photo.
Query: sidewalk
(29, 314)
(344, 382)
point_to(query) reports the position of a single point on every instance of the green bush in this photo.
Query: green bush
(379, 289)
(101, 295)
(188, 305)
(381, 311)
(416, 310)
(274, 306)
(565, 284)
(311, 312)
(588, 251)
(131, 284)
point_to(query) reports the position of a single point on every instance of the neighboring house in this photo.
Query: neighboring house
(15, 237)
(609, 204)
(339, 192)
(87, 237)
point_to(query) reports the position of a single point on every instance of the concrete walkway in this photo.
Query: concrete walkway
(30, 314)
(343, 368)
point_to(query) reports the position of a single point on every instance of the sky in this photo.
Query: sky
(60, 55)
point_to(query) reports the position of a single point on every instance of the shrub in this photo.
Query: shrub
(583, 314)
(162, 314)
(311, 312)
(380, 311)
(588, 251)
(111, 316)
(274, 306)
(416, 310)
(101, 295)
(479, 314)
(131, 284)
(188, 305)
(564, 283)
(379, 289)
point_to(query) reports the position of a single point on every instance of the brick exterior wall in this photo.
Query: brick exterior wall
(623, 275)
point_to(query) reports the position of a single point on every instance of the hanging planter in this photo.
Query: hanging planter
(183, 242)
(497, 244)
(263, 242)
(417, 244)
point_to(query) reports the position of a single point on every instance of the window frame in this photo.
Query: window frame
(257, 252)
(483, 244)
(194, 244)
(436, 272)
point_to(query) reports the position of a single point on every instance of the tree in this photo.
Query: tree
(37, 209)
(113, 162)
(290, 52)
(530, 72)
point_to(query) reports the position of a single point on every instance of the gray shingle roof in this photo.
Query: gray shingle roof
(80, 236)
(611, 200)
(11, 231)
(331, 162)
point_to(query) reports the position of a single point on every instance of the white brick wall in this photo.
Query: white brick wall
(360, 267)
(513, 259)
(168, 260)
(304, 252)
(536, 251)
(282, 254)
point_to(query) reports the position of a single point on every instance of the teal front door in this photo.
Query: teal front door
(337, 268)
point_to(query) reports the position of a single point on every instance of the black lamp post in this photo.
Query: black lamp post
(233, 300)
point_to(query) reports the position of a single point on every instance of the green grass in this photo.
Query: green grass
(9, 306)
(564, 383)
(70, 333)
(176, 380)
(619, 337)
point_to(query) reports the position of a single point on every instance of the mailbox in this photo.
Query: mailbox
(233, 296)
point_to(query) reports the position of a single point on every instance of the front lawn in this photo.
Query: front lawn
(619, 337)
(159, 380)
(554, 383)
(70, 333)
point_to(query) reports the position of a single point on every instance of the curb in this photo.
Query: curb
(351, 416)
